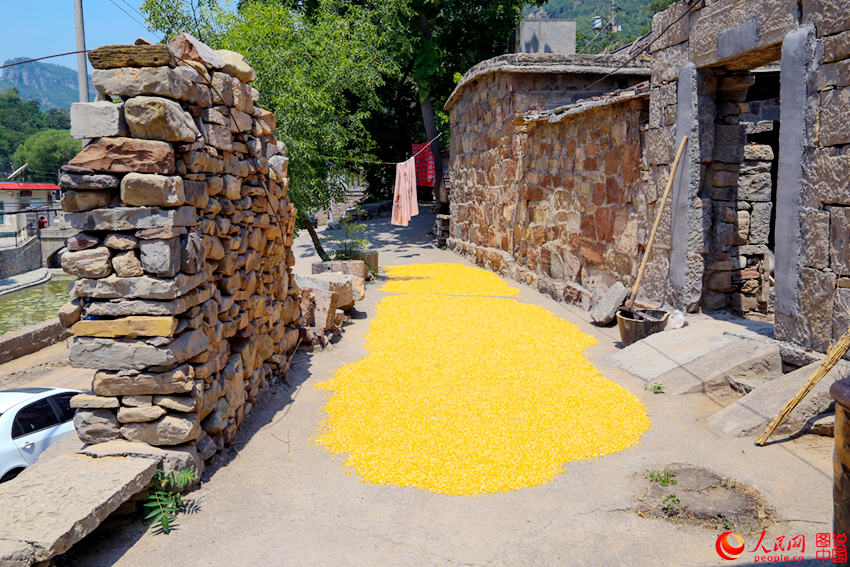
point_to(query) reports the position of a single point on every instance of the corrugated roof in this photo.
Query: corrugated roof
(20, 186)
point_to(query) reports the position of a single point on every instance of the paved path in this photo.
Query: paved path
(280, 500)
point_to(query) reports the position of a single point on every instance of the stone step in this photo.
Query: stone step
(740, 359)
(55, 503)
(751, 414)
(651, 357)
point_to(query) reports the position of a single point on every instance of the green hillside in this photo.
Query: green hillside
(635, 17)
(53, 86)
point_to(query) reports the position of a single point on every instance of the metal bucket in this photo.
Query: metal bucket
(633, 329)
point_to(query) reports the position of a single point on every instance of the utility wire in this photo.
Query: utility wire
(45, 57)
(646, 46)
(129, 15)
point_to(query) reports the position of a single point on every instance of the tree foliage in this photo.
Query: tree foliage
(45, 151)
(317, 70)
(635, 17)
(345, 78)
(19, 119)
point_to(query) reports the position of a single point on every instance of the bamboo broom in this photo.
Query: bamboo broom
(835, 353)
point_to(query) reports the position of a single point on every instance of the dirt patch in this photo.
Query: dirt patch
(698, 496)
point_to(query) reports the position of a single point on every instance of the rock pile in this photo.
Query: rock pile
(185, 302)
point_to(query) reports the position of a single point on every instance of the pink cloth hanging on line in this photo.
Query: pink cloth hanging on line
(404, 195)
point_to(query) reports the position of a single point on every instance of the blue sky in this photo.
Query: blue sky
(34, 28)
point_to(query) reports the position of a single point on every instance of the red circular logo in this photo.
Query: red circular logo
(729, 545)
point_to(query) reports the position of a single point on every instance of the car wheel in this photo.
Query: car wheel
(11, 474)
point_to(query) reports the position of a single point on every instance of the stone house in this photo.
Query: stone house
(759, 218)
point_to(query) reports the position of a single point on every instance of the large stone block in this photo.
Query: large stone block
(168, 430)
(88, 181)
(96, 425)
(839, 239)
(176, 83)
(132, 218)
(344, 285)
(353, 267)
(127, 265)
(97, 119)
(187, 48)
(90, 263)
(123, 155)
(815, 236)
(177, 381)
(127, 354)
(81, 201)
(133, 326)
(156, 118)
(237, 65)
(144, 287)
(144, 189)
(825, 178)
(117, 56)
(833, 126)
(755, 187)
(140, 414)
(160, 257)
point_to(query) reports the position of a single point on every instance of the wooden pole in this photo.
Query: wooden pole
(633, 295)
(835, 353)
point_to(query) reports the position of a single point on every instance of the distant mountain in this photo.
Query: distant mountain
(53, 86)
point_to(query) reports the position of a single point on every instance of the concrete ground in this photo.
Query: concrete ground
(46, 367)
(277, 499)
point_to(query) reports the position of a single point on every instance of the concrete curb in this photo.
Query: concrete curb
(21, 281)
(30, 339)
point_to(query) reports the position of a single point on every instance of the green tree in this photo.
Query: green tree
(318, 71)
(44, 151)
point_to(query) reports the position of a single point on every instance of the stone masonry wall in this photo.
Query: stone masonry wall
(811, 43)
(24, 258)
(548, 202)
(185, 303)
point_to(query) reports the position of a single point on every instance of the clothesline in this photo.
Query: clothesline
(359, 160)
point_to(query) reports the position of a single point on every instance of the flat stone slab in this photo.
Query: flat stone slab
(131, 218)
(651, 357)
(54, 504)
(738, 360)
(347, 287)
(751, 414)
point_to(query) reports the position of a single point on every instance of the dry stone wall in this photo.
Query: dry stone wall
(184, 302)
(548, 201)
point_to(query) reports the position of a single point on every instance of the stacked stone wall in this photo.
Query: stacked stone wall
(690, 61)
(549, 203)
(185, 303)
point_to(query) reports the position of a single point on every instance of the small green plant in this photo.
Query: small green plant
(655, 387)
(667, 477)
(164, 502)
(671, 503)
(351, 239)
(727, 525)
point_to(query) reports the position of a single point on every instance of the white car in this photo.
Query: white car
(31, 420)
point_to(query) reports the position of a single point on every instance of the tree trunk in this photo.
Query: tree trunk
(431, 129)
(316, 242)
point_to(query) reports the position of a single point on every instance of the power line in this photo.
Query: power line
(133, 8)
(646, 46)
(45, 57)
(129, 15)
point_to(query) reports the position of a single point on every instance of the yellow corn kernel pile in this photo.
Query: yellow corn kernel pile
(475, 394)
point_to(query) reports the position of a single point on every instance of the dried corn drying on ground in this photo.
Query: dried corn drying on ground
(473, 394)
